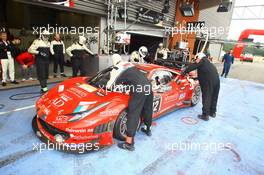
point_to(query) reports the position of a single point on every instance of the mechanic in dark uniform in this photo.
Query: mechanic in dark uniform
(77, 53)
(228, 60)
(41, 49)
(140, 102)
(210, 84)
(57, 49)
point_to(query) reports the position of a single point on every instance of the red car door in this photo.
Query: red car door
(166, 92)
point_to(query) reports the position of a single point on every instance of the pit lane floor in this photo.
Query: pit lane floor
(232, 143)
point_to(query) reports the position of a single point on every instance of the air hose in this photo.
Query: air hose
(24, 96)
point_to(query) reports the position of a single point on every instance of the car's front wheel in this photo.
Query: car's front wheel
(120, 127)
(196, 96)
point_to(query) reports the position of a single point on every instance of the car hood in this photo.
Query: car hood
(71, 97)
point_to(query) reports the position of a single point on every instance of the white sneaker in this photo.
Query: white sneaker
(23, 79)
(30, 78)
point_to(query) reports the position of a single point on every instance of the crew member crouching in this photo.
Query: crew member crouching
(140, 102)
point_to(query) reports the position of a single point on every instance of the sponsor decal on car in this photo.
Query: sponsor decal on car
(84, 137)
(61, 119)
(109, 113)
(87, 87)
(81, 130)
(170, 98)
(77, 92)
(156, 103)
(83, 106)
(61, 88)
(182, 96)
(57, 102)
(100, 94)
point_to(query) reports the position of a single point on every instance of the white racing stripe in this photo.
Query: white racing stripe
(18, 109)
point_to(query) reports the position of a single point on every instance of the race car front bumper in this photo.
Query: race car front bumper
(90, 146)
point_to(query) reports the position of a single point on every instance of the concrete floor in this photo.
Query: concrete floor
(232, 143)
(245, 71)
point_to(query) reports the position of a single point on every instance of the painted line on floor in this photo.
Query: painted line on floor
(18, 109)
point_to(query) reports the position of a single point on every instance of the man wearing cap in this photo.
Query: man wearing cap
(210, 84)
(140, 102)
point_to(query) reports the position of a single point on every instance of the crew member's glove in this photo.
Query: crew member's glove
(183, 73)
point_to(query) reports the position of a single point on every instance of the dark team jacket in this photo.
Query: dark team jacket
(207, 72)
(5, 48)
(133, 77)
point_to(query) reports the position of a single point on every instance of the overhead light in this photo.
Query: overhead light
(187, 9)
(122, 13)
(224, 6)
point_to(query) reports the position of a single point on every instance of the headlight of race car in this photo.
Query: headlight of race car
(81, 115)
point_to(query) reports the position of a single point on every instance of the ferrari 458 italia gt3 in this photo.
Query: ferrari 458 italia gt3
(80, 111)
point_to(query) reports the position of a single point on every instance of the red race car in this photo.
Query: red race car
(247, 58)
(79, 115)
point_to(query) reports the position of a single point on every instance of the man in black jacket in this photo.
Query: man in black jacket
(141, 98)
(7, 55)
(209, 82)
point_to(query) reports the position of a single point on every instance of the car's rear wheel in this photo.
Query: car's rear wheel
(120, 127)
(196, 96)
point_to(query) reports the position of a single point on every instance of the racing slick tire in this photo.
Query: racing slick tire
(120, 127)
(196, 96)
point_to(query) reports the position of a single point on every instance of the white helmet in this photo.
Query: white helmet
(116, 58)
(160, 44)
(45, 35)
(82, 39)
(200, 55)
(143, 51)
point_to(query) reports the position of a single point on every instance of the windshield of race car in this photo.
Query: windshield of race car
(100, 80)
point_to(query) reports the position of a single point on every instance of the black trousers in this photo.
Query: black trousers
(78, 65)
(42, 68)
(58, 62)
(140, 105)
(210, 93)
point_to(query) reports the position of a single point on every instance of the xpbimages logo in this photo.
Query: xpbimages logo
(122, 88)
(80, 148)
(66, 30)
